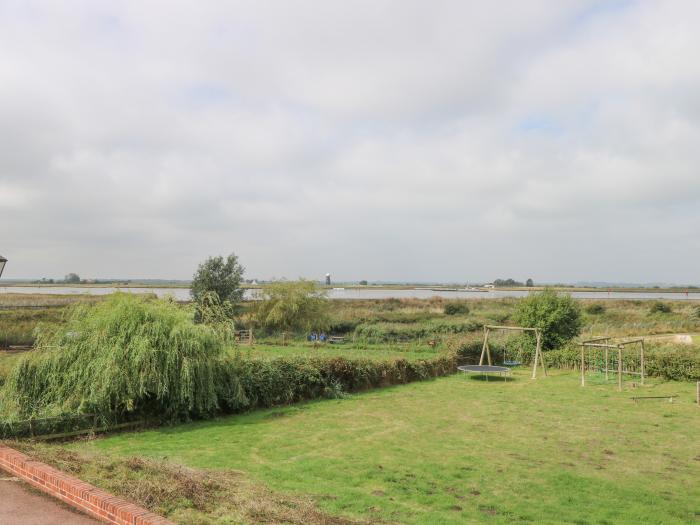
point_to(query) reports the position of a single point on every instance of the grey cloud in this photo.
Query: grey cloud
(379, 140)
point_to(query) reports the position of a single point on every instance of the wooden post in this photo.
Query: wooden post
(619, 368)
(538, 354)
(698, 394)
(642, 360)
(485, 347)
(583, 372)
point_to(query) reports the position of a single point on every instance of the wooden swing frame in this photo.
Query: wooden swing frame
(486, 350)
(605, 343)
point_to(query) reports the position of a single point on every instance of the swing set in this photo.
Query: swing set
(621, 358)
(486, 349)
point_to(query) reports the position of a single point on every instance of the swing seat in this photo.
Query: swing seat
(512, 363)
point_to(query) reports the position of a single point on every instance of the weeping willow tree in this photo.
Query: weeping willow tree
(124, 355)
(292, 305)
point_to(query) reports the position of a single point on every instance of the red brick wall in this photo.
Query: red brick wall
(76, 493)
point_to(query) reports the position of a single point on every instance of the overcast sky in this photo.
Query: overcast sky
(381, 140)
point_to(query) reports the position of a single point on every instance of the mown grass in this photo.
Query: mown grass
(456, 450)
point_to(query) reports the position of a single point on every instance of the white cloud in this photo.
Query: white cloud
(379, 140)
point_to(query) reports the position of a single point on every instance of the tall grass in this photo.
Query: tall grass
(18, 326)
(392, 331)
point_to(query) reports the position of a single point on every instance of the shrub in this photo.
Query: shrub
(595, 309)
(124, 355)
(657, 307)
(671, 363)
(677, 364)
(292, 305)
(456, 308)
(267, 383)
(557, 316)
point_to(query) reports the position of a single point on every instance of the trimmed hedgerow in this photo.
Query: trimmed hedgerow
(666, 362)
(281, 381)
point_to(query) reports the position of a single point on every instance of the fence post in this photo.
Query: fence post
(698, 394)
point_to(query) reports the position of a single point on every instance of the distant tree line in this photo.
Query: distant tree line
(509, 283)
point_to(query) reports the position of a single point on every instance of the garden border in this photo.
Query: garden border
(76, 493)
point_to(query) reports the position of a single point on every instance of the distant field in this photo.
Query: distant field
(395, 321)
(24, 300)
(453, 450)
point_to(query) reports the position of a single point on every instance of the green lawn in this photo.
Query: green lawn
(461, 450)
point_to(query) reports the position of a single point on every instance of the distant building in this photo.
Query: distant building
(328, 279)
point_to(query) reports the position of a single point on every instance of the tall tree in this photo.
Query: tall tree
(292, 305)
(558, 316)
(221, 276)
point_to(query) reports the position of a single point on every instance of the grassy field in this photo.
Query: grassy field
(452, 450)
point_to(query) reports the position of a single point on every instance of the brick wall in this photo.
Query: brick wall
(83, 496)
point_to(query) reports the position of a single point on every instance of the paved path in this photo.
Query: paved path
(20, 505)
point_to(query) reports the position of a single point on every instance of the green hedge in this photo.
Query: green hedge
(267, 383)
(667, 362)
(678, 365)
(670, 362)
(245, 384)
